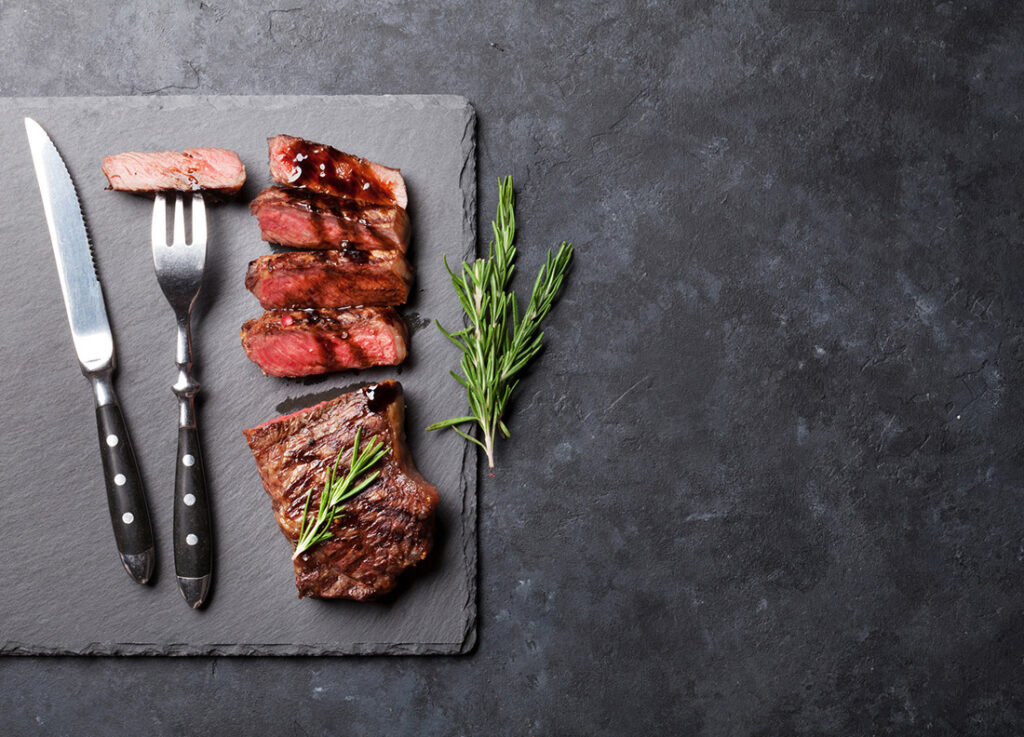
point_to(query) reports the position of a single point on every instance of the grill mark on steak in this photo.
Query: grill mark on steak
(296, 162)
(303, 219)
(385, 529)
(346, 278)
(291, 343)
(194, 169)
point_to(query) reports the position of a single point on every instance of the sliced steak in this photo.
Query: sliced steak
(303, 219)
(296, 162)
(307, 342)
(212, 169)
(301, 279)
(384, 529)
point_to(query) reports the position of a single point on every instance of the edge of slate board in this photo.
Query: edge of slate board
(468, 477)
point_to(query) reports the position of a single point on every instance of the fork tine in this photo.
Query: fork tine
(198, 221)
(179, 221)
(159, 231)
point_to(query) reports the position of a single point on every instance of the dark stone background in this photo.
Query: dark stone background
(767, 479)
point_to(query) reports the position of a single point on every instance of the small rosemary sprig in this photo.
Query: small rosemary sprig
(338, 489)
(498, 342)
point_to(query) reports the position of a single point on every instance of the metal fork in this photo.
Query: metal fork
(179, 271)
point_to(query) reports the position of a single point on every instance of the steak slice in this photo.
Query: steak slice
(384, 529)
(346, 278)
(212, 169)
(307, 342)
(303, 219)
(296, 162)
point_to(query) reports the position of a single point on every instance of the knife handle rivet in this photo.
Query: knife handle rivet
(189, 499)
(112, 440)
(127, 518)
(191, 539)
(188, 459)
(119, 479)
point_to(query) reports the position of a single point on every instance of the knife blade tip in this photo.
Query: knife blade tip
(36, 133)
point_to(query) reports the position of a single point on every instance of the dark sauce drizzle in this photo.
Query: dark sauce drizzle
(379, 396)
(325, 169)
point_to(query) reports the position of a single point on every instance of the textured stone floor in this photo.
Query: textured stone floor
(767, 477)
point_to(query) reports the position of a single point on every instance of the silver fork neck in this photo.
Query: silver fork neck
(183, 346)
(186, 387)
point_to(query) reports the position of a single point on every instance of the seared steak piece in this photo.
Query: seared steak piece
(346, 278)
(303, 219)
(307, 342)
(384, 529)
(214, 169)
(296, 162)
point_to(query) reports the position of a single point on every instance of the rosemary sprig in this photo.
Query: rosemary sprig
(336, 490)
(497, 341)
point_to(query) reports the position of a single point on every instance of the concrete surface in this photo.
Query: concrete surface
(767, 478)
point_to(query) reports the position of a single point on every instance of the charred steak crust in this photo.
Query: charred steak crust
(385, 529)
(291, 343)
(296, 162)
(303, 219)
(211, 169)
(345, 278)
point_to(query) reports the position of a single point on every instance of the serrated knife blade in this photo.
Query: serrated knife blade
(94, 344)
(83, 296)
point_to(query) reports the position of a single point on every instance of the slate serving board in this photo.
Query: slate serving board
(64, 591)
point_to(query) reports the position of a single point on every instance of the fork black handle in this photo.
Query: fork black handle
(126, 495)
(193, 538)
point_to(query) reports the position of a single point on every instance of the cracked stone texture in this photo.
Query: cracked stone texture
(767, 477)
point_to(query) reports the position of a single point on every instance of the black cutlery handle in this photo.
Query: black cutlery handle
(126, 496)
(193, 538)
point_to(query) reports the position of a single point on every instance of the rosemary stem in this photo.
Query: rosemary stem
(489, 448)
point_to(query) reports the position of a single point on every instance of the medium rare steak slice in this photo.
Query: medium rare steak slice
(307, 342)
(296, 162)
(303, 219)
(301, 279)
(384, 529)
(212, 169)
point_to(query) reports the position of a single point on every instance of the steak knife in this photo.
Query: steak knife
(94, 345)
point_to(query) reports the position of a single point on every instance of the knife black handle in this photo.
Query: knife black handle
(193, 537)
(126, 496)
